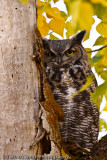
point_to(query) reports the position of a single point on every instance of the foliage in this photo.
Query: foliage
(103, 125)
(89, 81)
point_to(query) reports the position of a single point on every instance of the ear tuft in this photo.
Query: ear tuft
(79, 37)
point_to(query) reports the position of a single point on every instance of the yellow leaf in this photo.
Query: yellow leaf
(44, 29)
(42, 6)
(85, 18)
(89, 81)
(100, 41)
(103, 61)
(52, 12)
(24, 1)
(103, 2)
(55, 0)
(68, 26)
(64, 155)
(88, 50)
(40, 20)
(105, 108)
(82, 13)
(74, 9)
(42, 25)
(103, 75)
(102, 28)
(57, 25)
(53, 37)
(40, 3)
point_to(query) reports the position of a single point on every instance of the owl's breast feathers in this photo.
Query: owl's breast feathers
(81, 115)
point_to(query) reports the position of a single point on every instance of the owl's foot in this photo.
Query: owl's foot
(88, 150)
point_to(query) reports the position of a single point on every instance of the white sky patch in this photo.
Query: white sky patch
(99, 79)
(102, 134)
(60, 5)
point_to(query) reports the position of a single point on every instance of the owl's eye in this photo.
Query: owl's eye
(70, 52)
(51, 54)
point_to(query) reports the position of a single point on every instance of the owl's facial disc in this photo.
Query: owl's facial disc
(70, 56)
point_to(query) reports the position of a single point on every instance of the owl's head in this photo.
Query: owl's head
(63, 52)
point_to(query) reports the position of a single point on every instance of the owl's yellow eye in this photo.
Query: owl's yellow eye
(69, 53)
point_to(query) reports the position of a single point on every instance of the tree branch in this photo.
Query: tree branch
(97, 49)
(99, 151)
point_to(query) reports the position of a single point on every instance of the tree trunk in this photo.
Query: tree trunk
(18, 78)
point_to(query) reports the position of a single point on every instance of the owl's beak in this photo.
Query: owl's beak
(59, 60)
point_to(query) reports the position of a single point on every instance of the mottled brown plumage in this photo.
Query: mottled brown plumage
(66, 66)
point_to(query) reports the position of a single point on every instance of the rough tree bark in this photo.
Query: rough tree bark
(18, 78)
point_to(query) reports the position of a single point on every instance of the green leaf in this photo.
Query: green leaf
(103, 125)
(98, 68)
(63, 14)
(42, 6)
(100, 41)
(89, 81)
(94, 61)
(102, 2)
(104, 75)
(99, 10)
(96, 58)
(88, 50)
(99, 93)
(53, 37)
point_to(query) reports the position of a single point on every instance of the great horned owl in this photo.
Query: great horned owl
(66, 66)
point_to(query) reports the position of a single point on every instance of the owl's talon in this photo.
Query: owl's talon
(87, 149)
